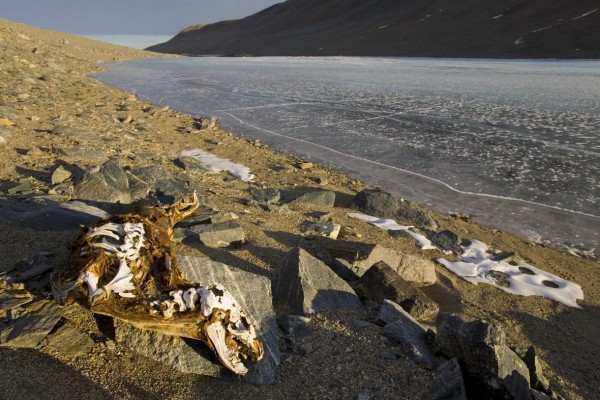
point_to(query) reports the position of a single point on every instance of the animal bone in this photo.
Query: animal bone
(131, 255)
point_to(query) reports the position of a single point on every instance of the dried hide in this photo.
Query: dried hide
(124, 267)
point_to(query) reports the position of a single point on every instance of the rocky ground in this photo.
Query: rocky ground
(59, 128)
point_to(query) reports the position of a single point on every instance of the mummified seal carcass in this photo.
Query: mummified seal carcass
(125, 267)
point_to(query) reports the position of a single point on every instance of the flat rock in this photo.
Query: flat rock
(266, 196)
(162, 184)
(252, 291)
(405, 330)
(12, 298)
(326, 229)
(361, 256)
(75, 133)
(30, 329)
(223, 234)
(382, 204)
(448, 383)
(108, 185)
(381, 282)
(308, 195)
(307, 285)
(70, 342)
(50, 215)
(60, 175)
(481, 348)
(79, 151)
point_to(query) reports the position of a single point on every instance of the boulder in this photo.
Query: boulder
(223, 234)
(405, 330)
(307, 285)
(253, 292)
(108, 185)
(162, 184)
(309, 195)
(30, 329)
(361, 256)
(536, 374)
(382, 204)
(481, 348)
(381, 282)
(448, 383)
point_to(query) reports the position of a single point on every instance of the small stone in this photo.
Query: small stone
(60, 175)
(3, 141)
(325, 229)
(266, 196)
(306, 165)
(447, 240)
(219, 235)
(25, 187)
(6, 122)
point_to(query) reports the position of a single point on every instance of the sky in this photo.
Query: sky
(111, 17)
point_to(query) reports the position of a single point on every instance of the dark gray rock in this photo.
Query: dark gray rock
(75, 133)
(308, 195)
(162, 184)
(385, 205)
(448, 383)
(13, 298)
(307, 285)
(218, 235)
(190, 164)
(447, 240)
(381, 282)
(326, 229)
(266, 196)
(26, 186)
(30, 329)
(293, 324)
(49, 215)
(405, 330)
(481, 348)
(138, 189)
(108, 185)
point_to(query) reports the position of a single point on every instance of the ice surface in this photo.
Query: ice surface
(216, 164)
(514, 144)
(522, 279)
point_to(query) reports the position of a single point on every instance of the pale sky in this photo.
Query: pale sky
(153, 17)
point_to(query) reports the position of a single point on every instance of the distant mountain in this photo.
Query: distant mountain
(424, 28)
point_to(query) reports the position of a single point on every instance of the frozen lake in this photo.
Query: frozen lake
(516, 144)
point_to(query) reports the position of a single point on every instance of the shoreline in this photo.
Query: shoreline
(33, 149)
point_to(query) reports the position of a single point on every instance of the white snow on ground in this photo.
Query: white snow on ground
(390, 224)
(216, 164)
(523, 279)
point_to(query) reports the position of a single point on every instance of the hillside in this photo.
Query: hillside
(416, 28)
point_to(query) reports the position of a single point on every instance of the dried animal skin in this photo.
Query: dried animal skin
(125, 267)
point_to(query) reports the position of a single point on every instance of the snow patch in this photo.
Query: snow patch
(391, 225)
(216, 164)
(477, 265)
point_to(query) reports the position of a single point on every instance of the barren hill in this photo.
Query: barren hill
(422, 28)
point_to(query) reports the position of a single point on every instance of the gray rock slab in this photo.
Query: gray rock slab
(222, 234)
(382, 204)
(75, 133)
(79, 151)
(313, 196)
(266, 196)
(253, 292)
(405, 330)
(448, 383)
(162, 183)
(109, 184)
(70, 342)
(307, 285)
(49, 215)
(481, 348)
(13, 298)
(381, 282)
(30, 329)
(536, 373)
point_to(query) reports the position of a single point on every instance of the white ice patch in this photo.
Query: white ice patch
(216, 164)
(523, 279)
(391, 225)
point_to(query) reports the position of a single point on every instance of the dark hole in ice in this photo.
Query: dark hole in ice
(514, 264)
(550, 284)
(526, 271)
